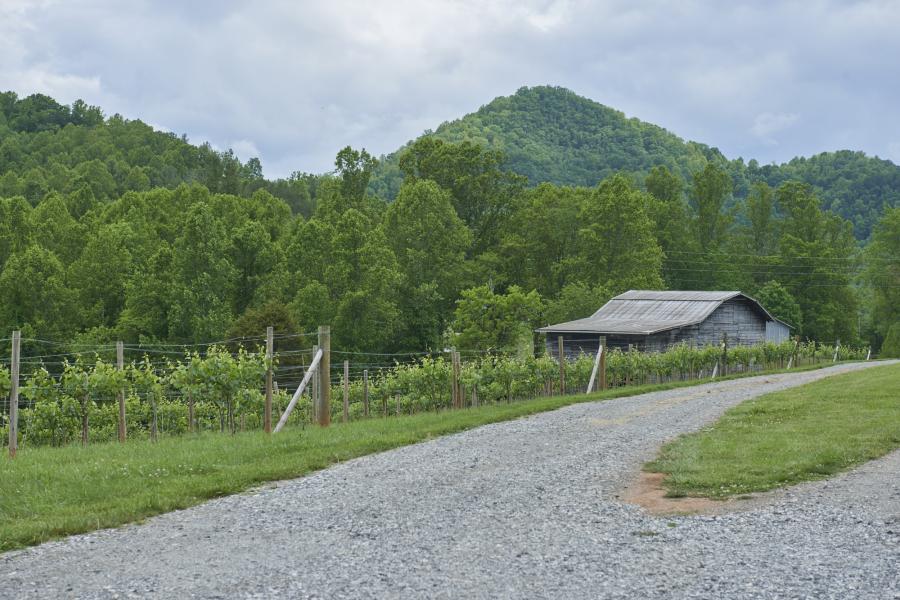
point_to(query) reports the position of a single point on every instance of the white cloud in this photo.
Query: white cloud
(766, 124)
(293, 82)
(244, 149)
(893, 152)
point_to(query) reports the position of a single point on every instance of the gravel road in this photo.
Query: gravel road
(522, 509)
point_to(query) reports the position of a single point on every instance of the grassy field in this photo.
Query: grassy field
(801, 434)
(48, 493)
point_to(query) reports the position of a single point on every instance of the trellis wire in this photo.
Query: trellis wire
(388, 393)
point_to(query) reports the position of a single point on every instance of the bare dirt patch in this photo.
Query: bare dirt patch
(648, 492)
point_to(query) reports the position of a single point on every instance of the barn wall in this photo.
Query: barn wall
(739, 318)
(744, 323)
(777, 332)
(576, 344)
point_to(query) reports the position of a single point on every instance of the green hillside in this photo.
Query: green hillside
(857, 187)
(48, 147)
(111, 230)
(551, 134)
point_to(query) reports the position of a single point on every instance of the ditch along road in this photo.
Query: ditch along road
(530, 508)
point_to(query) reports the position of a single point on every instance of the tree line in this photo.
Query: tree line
(467, 254)
(552, 134)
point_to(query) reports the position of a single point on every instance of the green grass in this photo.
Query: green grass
(48, 493)
(805, 433)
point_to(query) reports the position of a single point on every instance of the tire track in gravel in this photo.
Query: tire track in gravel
(524, 508)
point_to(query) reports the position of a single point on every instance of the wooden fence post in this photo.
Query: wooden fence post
(795, 353)
(154, 419)
(562, 364)
(14, 394)
(627, 373)
(270, 351)
(452, 379)
(603, 363)
(120, 365)
(85, 415)
(314, 393)
(724, 354)
(317, 357)
(869, 353)
(460, 396)
(837, 347)
(325, 376)
(456, 401)
(366, 392)
(346, 391)
(190, 412)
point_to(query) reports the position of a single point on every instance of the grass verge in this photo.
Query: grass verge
(48, 493)
(801, 434)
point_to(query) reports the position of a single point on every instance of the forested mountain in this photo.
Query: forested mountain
(855, 186)
(47, 147)
(551, 134)
(111, 230)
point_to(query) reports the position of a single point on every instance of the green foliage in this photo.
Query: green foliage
(220, 384)
(616, 242)
(47, 147)
(576, 301)
(430, 242)
(539, 247)
(111, 230)
(255, 320)
(669, 212)
(778, 301)
(817, 247)
(355, 168)
(891, 346)
(709, 193)
(882, 272)
(33, 294)
(551, 134)
(485, 320)
(856, 187)
(4, 381)
(204, 278)
(482, 192)
(225, 388)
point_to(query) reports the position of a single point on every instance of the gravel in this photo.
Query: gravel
(522, 509)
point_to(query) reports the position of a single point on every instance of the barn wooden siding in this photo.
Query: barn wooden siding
(739, 318)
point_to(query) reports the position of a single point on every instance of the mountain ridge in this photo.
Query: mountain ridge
(549, 134)
(553, 134)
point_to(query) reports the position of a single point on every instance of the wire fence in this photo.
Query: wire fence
(69, 393)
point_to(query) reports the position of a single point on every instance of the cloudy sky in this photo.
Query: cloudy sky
(294, 81)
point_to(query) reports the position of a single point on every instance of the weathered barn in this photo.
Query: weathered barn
(653, 321)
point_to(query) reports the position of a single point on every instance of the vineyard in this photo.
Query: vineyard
(68, 397)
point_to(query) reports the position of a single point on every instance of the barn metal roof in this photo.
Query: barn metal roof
(642, 312)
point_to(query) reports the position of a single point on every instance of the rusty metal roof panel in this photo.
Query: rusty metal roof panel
(640, 312)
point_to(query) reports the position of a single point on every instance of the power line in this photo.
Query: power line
(780, 256)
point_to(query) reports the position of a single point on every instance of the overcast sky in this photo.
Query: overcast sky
(294, 81)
